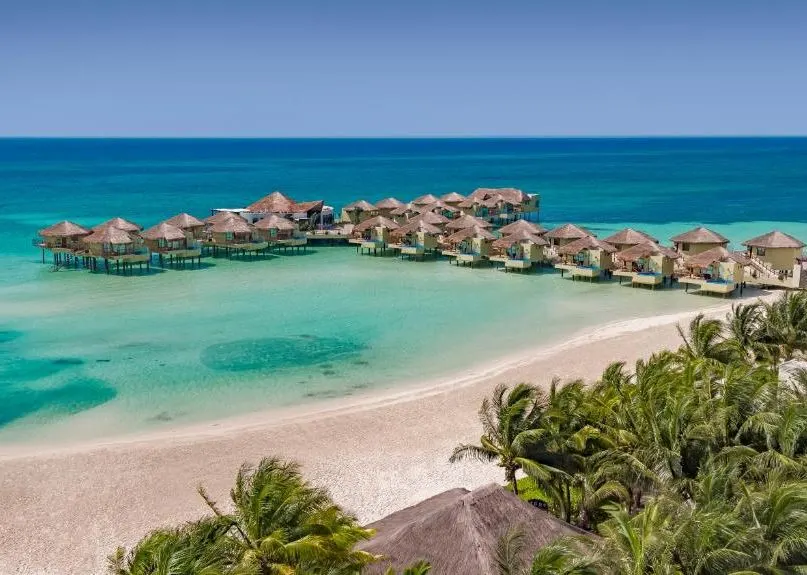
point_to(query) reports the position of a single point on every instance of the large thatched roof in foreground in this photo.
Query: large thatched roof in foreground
(457, 531)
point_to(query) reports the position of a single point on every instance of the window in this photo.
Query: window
(760, 251)
(684, 247)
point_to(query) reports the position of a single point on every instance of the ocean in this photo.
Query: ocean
(86, 355)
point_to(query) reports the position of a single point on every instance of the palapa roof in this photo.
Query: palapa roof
(417, 225)
(467, 221)
(457, 532)
(520, 225)
(278, 203)
(274, 222)
(472, 232)
(425, 200)
(646, 249)
(715, 255)
(119, 223)
(163, 231)
(360, 206)
(403, 210)
(432, 218)
(511, 195)
(376, 222)
(185, 221)
(109, 235)
(222, 217)
(774, 239)
(452, 197)
(629, 237)
(389, 203)
(64, 229)
(586, 243)
(438, 205)
(518, 237)
(700, 235)
(568, 232)
(232, 225)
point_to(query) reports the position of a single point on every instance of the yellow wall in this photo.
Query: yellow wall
(781, 259)
(695, 249)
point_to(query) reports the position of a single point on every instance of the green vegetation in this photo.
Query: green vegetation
(694, 462)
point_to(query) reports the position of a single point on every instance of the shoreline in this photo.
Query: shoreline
(368, 400)
(391, 453)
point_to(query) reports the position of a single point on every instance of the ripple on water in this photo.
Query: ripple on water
(277, 352)
(78, 395)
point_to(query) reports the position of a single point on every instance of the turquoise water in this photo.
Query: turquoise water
(88, 355)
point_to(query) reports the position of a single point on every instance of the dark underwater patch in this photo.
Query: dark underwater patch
(277, 353)
(79, 395)
(7, 335)
(20, 370)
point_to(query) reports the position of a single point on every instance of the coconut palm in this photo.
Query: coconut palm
(742, 328)
(419, 568)
(510, 419)
(704, 340)
(783, 328)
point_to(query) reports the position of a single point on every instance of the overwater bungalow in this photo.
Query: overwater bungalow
(715, 271)
(279, 231)
(469, 246)
(566, 234)
(628, 238)
(62, 240)
(171, 243)
(774, 259)
(416, 239)
(385, 206)
(358, 211)
(466, 221)
(441, 208)
(194, 228)
(221, 216)
(234, 235)
(425, 200)
(586, 257)
(452, 199)
(403, 214)
(373, 234)
(120, 224)
(307, 215)
(431, 218)
(511, 203)
(522, 226)
(519, 250)
(646, 264)
(697, 241)
(116, 247)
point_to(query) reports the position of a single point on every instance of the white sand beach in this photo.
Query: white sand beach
(65, 509)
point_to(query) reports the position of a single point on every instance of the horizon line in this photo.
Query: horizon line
(421, 137)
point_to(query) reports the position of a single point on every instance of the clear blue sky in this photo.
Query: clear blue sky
(403, 68)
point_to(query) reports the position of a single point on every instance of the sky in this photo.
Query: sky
(208, 68)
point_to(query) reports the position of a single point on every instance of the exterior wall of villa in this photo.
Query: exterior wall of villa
(694, 249)
(781, 259)
(481, 246)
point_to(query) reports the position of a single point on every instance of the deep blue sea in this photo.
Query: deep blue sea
(86, 355)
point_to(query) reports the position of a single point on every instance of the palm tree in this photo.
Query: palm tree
(742, 327)
(705, 340)
(509, 421)
(419, 568)
(783, 328)
(564, 557)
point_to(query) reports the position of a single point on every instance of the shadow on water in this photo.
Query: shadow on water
(188, 267)
(76, 396)
(278, 352)
(20, 370)
(294, 253)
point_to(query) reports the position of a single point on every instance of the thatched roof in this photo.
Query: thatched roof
(119, 223)
(163, 231)
(522, 225)
(457, 532)
(468, 203)
(278, 203)
(438, 205)
(360, 206)
(466, 221)
(521, 236)
(376, 222)
(586, 243)
(715, 255)
(452, 197)
(185, 221)
(568, 232)
(222, 217)
(431, 218)
(389, 203)
(645, 250)
(630, 237)
(109, 235)
(425, 200)
(64, 229)
(511, 195)
(417, 225)
(403, 210)
(773, 240)
(274, 222)
(232, 225)
(472, 232)
(700, 236)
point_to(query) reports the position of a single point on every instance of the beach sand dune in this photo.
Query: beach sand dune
(65, 510)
